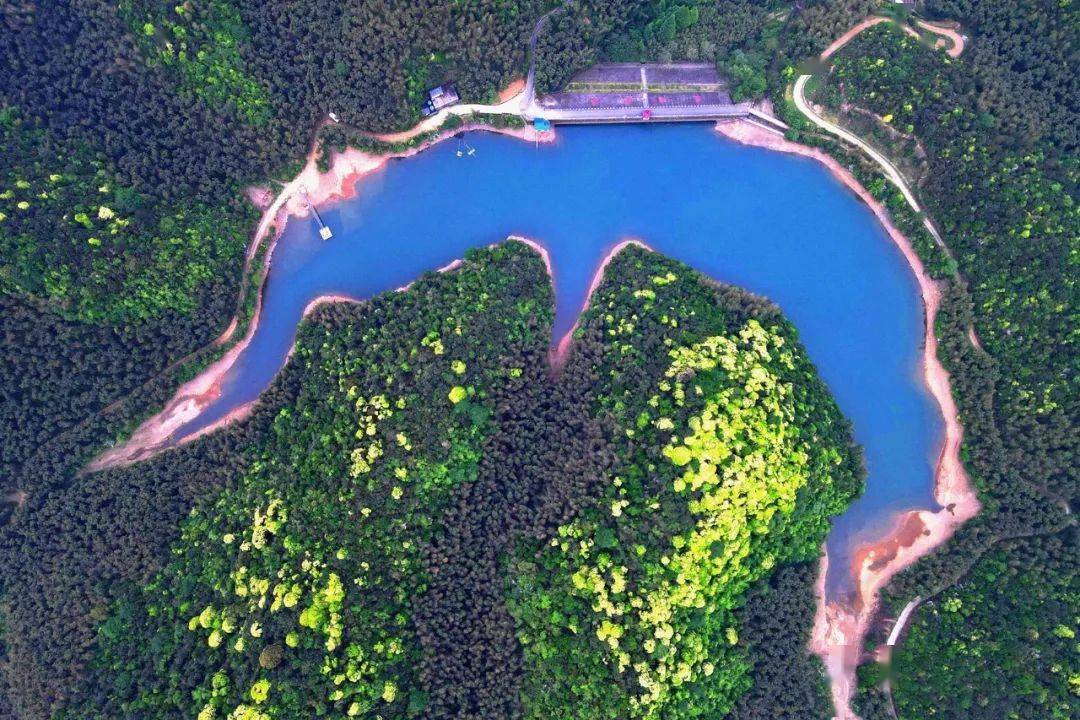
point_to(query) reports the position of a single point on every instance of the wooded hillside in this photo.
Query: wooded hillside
(418, 516)
(129, 131)
(991, 136)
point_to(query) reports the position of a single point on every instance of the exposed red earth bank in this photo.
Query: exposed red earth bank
(338, 183)
(560, 351)
(841, 625)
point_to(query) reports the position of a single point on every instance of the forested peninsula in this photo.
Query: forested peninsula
(421, 520)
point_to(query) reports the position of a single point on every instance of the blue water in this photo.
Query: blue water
(775, 224)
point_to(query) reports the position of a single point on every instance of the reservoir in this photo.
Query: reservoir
(775, 224)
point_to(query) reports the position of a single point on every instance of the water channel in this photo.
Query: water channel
(775, 224)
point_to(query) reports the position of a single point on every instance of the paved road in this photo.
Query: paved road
(891, 172)
(897, 179)
(798, 94)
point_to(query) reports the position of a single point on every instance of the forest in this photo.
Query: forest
(420, 520)
(130, 132)
(728, 460)
(992, 636)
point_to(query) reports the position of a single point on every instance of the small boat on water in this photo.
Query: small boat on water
(468, 149)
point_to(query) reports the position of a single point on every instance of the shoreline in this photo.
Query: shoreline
(840, 627)
(824, 634)
(452, 265)
(155, 434)
(347, 168)
(339, 183)
(560, 351)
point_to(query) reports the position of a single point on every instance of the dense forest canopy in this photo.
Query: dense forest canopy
(727, 464)
(995, 153)
(1032, 669)
(421, 521)
(130, 130)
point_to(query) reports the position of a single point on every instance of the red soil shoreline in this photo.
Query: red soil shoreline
(561, 351)
(339, 183)
(346, 169)
(840, 627)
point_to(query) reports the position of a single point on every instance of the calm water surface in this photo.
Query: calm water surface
(775, 224)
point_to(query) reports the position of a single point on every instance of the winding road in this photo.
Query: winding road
(958, 40)
(798, 94)
(528, 95)
(891, 172)
(894, 176)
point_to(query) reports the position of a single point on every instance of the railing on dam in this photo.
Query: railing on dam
(643, 114)
(632, 92)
